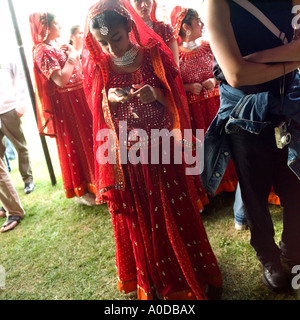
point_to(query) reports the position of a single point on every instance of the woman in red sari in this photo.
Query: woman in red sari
(62, 109)
(196, 62)
(132, 85)
(146, 9)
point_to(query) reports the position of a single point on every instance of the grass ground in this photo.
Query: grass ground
(65, 251)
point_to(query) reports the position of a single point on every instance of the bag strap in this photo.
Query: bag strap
(262, 18)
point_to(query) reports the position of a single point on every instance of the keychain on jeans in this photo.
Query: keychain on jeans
(282, 136)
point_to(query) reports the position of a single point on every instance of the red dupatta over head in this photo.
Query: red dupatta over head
(44, 88)
(177, 16)
(39, 27)
(96, 67)
(153, 12)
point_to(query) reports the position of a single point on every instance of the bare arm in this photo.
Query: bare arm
(174, 48)
(237, 71)
(62, 77)
(289, 52)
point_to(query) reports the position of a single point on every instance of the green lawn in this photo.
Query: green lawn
(65, 251)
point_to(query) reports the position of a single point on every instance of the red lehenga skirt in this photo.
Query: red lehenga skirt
(74, 139)
(160, 241)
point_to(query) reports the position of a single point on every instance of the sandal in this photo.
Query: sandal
(2, 212)
(10, 223)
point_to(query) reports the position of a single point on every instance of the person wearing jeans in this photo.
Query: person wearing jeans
(251, 89)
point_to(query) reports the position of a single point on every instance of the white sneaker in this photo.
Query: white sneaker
(240, 227)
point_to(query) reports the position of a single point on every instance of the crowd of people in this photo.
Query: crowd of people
(127, 75)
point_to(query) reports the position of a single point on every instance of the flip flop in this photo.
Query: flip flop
(9, 226)
(2, 212)
(10, 223)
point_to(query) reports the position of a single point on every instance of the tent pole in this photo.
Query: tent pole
(31, 91)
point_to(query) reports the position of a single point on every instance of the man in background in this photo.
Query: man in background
(12, 107)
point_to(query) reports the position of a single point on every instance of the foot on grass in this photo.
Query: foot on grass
(10, 223)
(2, 212)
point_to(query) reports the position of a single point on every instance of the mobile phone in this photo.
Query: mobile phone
(123, 92)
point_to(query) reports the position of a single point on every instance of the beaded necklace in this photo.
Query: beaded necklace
(128, 57)
(191, 45)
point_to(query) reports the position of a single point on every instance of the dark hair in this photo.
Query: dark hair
(190, 16)
(73, 31)
(109, 19)
(50, 18)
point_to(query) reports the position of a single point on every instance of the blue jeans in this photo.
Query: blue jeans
(10, 149)
(238, 207)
